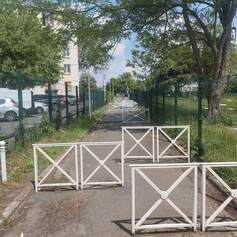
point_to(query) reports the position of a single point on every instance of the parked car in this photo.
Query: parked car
(44, 99)
(8, 109)
(71, 99)
(40, 107)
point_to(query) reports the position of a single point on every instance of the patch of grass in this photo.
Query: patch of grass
(20, 162)
(219, 140)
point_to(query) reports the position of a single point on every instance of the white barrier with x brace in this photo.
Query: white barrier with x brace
(210, 221)
(164, 196)
(139, 113)
(55, 164)
(101, 163)
(148, 130)
(161, 154)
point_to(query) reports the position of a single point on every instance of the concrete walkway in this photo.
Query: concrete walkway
(104, 212)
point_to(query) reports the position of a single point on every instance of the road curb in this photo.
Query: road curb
(15, 203)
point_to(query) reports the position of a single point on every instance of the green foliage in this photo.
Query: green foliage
(151, 56)
(221, 118)
(45, 127)
(84, 79)
(27, 46)
(125, 83)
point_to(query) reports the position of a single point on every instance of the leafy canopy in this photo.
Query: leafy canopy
(28, 47)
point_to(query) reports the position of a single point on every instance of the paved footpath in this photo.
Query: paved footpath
(101, 212)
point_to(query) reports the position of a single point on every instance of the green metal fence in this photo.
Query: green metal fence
(185, 103)
(71, 104)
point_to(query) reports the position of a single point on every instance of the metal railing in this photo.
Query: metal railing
(55, 164)
(145, 130)
(232, 195)
(101, 163)
(184, 153)
(164, 196)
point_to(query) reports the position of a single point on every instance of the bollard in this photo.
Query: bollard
(3, 161)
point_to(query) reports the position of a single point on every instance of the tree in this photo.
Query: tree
(208, 25)
(125, 83)
(84, 79)
(155, 60)
(92, 23)
(100, 24)
(28, 47)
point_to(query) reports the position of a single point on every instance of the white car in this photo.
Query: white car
(40, 107)
(8, 109)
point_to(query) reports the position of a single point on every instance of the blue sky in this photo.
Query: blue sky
(121, 54)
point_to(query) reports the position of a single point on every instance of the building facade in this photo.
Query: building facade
(69, 64)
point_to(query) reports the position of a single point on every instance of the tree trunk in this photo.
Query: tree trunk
(214, 99)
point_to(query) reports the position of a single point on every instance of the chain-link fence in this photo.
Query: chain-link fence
(26, 115)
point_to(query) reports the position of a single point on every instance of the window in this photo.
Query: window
(66, 52)
(67, 68)
(47, 19)
(2, 101)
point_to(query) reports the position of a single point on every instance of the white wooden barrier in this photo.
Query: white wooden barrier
(210, 221)
(163, 196)
(173, 142)
(55, 164)
(3, 161)
(138, 142)
(100, 163)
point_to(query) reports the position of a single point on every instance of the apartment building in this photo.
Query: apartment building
(69, 64)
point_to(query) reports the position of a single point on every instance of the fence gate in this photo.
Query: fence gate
(210, 221)
(148, 149)
(163, 196)
(55, 164)
(87, 146)
(183, 148)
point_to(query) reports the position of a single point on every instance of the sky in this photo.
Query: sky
(121, 54)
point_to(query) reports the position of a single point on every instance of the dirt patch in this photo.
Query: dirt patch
(8, 192)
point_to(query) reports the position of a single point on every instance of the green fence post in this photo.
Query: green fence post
(84, 100)
(66, 103)
(50, 101)
(199, 141)
(151, 103)
(77, 103)
(156, 100)
(163, 105)
(176, 104)
(20, 109)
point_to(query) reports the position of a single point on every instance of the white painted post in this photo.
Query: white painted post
(133, 201)
(76, 164)
(36, 168)
(82, 168)
(203, 198)
(3, 161)
(195, 194)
